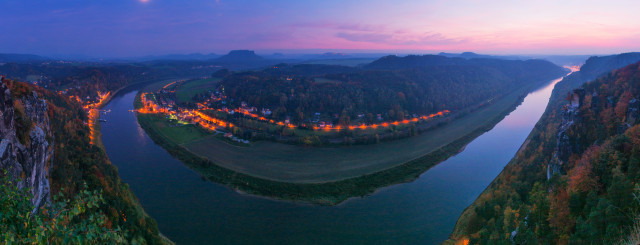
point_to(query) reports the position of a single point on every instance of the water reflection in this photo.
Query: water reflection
(190, 211)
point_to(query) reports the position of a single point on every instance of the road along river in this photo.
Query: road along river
(190, 210)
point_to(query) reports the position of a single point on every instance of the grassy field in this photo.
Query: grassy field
(299, 164)
(286, 167)
(177, 133)
(158, 85)
(190, 88)
(327, 193)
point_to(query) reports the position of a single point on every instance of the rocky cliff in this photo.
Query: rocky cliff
(565, 145)
(26, 148)
(578, 178)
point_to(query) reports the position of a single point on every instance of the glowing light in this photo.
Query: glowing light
(94, 113)
(165, 86)
(198, 117)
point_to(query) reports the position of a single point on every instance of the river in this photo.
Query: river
(190, 210)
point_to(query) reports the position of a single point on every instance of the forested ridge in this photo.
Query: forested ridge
(84, 79)
(395, 87)
(575, 180)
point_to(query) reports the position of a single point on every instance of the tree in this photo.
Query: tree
(76, 221)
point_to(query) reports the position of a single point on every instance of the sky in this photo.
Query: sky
(128, 28)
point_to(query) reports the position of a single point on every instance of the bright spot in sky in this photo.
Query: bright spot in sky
(144, 1)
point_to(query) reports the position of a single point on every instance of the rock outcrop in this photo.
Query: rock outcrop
(564, 144)
(26, 146)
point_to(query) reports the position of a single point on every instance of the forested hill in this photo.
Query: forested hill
(391, 62)
(575, 179)
(84, 79)
(45, 141)
(22, 58)
(425, 84)
(593, 68)
(519, 70)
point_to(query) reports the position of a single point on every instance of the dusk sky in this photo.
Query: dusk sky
(125, 28)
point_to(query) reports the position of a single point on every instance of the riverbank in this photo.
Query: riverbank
(333, 192)
(421, 211)
(94, 126)
(96, 133)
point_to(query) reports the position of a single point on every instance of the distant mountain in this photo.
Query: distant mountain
(564, 60)
(593, 68)
(308, 69)
(560, 60)
(472, 55)
(240, 56)
(244, 60)
(392, 62)
(193, 56)
(276, 56)
(513, 67)
(595, 65)
(21, 58)
(333, 55)
(392, 86)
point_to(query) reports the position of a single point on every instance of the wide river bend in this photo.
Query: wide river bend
(190, 210)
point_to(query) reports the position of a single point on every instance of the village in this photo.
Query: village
(92, 107)
(211, 112)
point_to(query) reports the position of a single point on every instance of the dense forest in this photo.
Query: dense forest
(80, 169)
(575, 180)
(395, 87)
(84, 79)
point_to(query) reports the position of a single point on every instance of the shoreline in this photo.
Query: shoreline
(324, 193)
(98, 143)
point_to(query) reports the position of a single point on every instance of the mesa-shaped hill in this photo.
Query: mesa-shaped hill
(243, 60)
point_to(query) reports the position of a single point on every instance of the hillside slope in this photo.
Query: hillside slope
(575, 178)
(393, 87)
(46, 142)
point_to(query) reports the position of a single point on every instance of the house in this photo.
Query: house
(266, 112)
(228, 135)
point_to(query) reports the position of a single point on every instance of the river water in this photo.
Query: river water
(190, 210)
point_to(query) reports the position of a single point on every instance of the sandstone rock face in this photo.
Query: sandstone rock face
(27, 162)
(565, 146)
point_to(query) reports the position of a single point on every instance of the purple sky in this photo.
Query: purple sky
(125, 28)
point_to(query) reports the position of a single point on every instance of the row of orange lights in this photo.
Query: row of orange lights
(199, 117)
(93, 112)
(210, 122)
(386, 124)
(166, 86)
